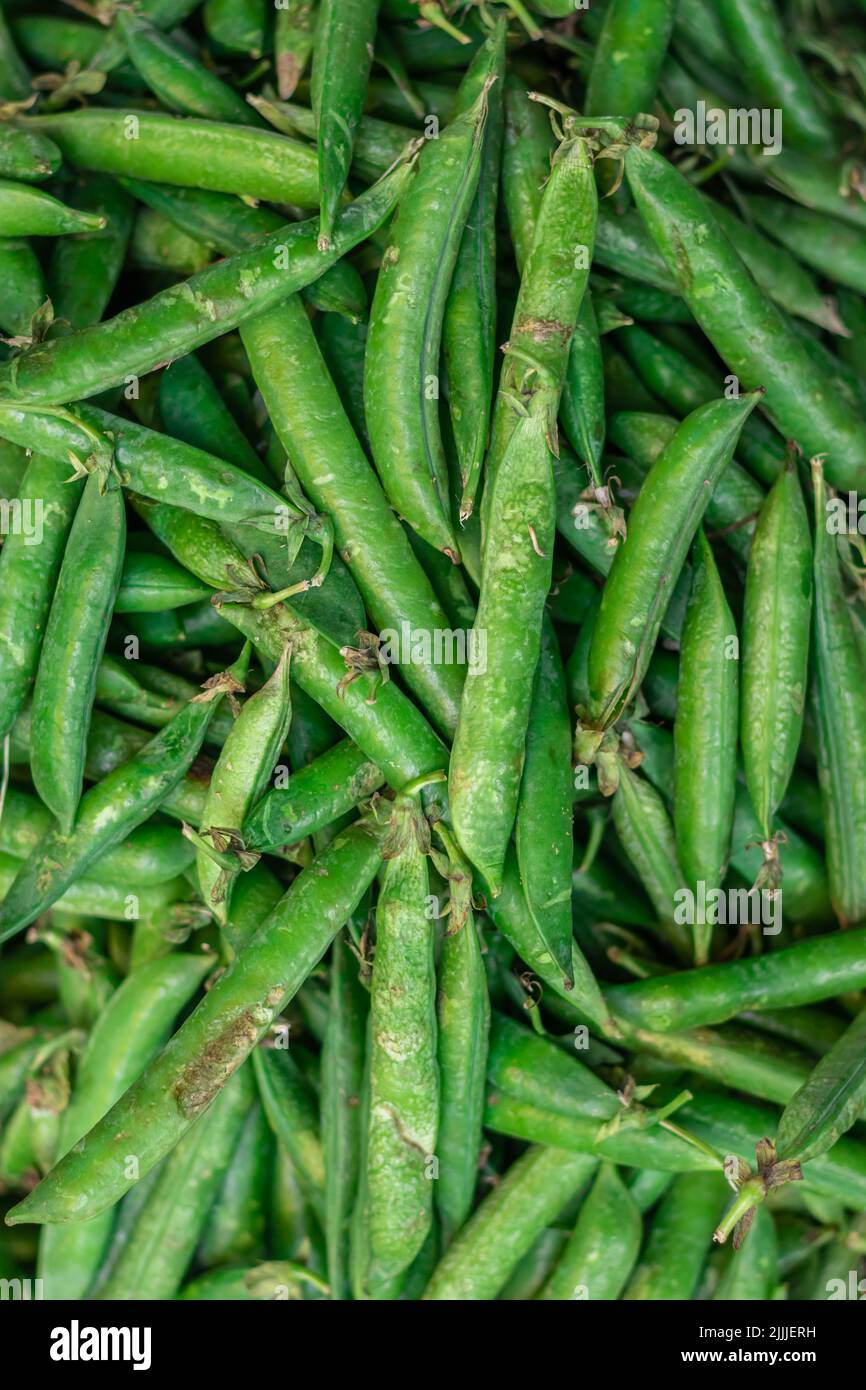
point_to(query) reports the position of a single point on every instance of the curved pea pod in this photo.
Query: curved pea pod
(507, 1223)
(646, 566)
(342, 1076)
(74, 641)
(463, 1014)
(603, 1246)
(23, 287)
(313, 798)
(776, 619)
(292, 1114)
(169, 1225)
(26, 211)
(241, 773)
(829, 1102)
(46, 507)
(151, 583)
(774, 73)
(404, 1076)
(744, 326)
(218, 1036)
(705, 729)
(543, 830)
(839, 704)
(628, 56)
(111, 809)
(582, 408)
(181, 318)
(647, 836)
(345, 35)
(401, 395)
(680, 1239)
(176, 78)
(131, 1029)
(469, 323)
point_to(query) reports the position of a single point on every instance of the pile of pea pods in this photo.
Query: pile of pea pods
(433, 649)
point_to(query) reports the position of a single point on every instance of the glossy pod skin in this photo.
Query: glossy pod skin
(24, 286)
(313, 797)
(838, 705)
(217, 1037)
(603, 1246)
(236, 1223)
(26, 156)
(289, 1104)
(345, 34)
(181, 318)
(342, 1078)
(628, 56)
(679, 1239)
(26, 211)
(829, 1102)
(180, 82)
(74, 641)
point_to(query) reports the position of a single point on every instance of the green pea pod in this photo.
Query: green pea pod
(543, 830)
(15, 79)
(23, 287)
(313, 428)
(28, 574)
(404, 1081)
(74, 641)
(628, 56)
(220, 1033)
(193, 410)
(294, 36)
(773, 72)
(26, 211)
(177, 79)
(745, 328)
(342, 345)
(829, 1102)
(647, 836)
(647, 1186)
(157, 245)
(776, 620)
(528, 146)
(109, 811)
(624, 245)
(377, 145)
(818, 968)
(839, 711)
(680, 1239)
(238, 25)
(538, 1072)
(507, 1223)
(241, 774)
(26, 156)
(313, 798)
(469, 324)
(169, 1225)
(463, 1014)
(401, 394)
(84, 269)
(582, 409)
(817, 183)
(661, 526)
(345, 35)
(705, 729)
(603, 1246)
(342, 1073)
(292, 1115)
(130, 1031)
(211, 304)
(154, 583)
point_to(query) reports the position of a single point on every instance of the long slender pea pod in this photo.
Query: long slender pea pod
(582, 409)
(26, 211)
(377, 143)
(345, 35)
(401, 395)
(183, 317)
(647, 836)
(603, 1246)
(111, 809)
(84, 269)
(746, 329)
(834, 249)
(238, 780)
(325, 454)
(507, 1223)
(152, 583)
(527, 149)
(839, 705)
(661, 526)
(744, 1060)
(705, 729)
(217, 1037)
(193, 410)
(23, 286)
(314, 797)
(469, 324)
(28, 574)
(104, 899)
(169, 1225)
(774, 73)
(463, 1014)
(15, 78)
(128, 1034)
(815, 969)
(292, 1115)
(72, 648)
(628, 56)
(342, 1073)
(776, 620)
(624, 245)
(829, 1102)
(816, 183)
(404, 1075)
(543, 829)
(235, 1229)
(294, 36)
(177, 79)
(680, 1239)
